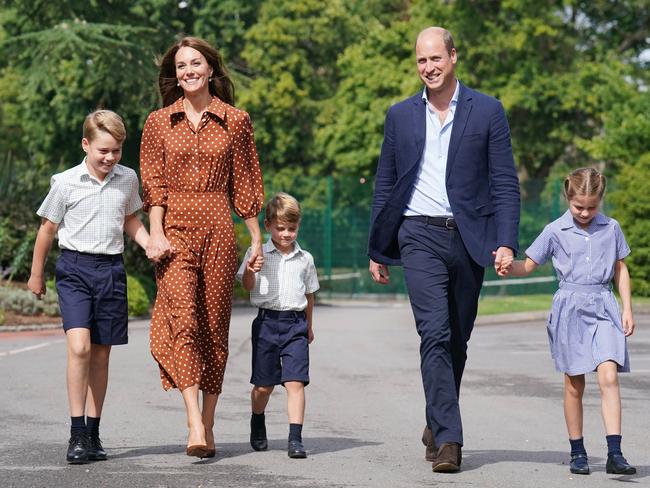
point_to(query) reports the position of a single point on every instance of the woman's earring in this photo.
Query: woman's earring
(210, 79)
(178, 83)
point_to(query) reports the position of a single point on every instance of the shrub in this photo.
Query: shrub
(25, 303)
(138, 300)
(631, 201)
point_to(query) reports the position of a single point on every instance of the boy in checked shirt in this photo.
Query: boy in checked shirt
(282, 286)
(90, 206)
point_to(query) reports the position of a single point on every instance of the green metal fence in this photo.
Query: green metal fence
(334, 228)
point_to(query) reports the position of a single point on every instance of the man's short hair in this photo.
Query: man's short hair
(446, 37)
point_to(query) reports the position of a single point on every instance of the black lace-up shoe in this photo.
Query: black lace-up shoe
(617, 464)
(95, 450)
(78, 448)
(296, 450)
(579, 464)
(258, 439)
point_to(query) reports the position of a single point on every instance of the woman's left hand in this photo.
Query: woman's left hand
(256, 260)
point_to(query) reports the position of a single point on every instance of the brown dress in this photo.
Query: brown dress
(198, 175)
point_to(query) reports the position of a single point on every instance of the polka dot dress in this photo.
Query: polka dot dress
(198, 175)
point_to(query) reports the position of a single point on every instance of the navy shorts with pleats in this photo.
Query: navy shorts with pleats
(280, 348)
(92, 295)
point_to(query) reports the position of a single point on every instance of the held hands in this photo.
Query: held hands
(158, 247)
(379, 272)
(503, 259)
(36, 285)
(628, 322)
(256, 260)
(254, 264)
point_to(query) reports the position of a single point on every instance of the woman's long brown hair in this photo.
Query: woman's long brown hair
(221, 86)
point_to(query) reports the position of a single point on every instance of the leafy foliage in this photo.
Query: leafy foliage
(625, 145)
(317, 78)
(24, 302)
(138, 300)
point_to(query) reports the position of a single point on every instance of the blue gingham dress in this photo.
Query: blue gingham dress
(584, 326)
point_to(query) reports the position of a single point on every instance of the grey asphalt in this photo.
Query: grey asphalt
(364, 412)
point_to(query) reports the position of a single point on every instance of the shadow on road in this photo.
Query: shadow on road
(314, 445)
(474, 459)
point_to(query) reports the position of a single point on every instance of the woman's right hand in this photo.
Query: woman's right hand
(158, 247)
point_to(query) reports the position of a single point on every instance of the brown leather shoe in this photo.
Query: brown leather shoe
(448, 458)
(431, 450)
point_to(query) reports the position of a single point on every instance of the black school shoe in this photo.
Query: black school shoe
(78, 448)
(95, 450)
(617, 464)
(258, 438)
(296, 450)
(579, 464)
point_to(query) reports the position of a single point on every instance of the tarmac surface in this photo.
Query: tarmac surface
(365, 412)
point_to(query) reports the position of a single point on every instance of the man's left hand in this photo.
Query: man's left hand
(502, 258)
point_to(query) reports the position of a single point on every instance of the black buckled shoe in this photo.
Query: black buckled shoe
(95, 451)
(78, 449)
(617, 464)
(579, 464)
(296, 450)
(258, 439)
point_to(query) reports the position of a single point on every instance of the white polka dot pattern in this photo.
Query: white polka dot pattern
(198, 175)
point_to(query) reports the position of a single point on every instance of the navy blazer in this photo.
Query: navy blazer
(482, 183)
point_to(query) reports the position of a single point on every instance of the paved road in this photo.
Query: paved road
(364, 413)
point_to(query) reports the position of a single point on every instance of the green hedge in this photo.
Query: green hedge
(138, 300)
(23, 302)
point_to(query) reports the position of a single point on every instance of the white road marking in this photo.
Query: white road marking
(29, 348)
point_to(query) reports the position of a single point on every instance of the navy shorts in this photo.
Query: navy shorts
(92, 295)
(280, 348)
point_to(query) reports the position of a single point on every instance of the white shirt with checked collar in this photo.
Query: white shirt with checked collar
(91, 213)
(283, 280)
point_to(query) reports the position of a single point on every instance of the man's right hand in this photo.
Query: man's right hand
(379, 272)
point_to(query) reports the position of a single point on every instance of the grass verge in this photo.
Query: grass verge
(491, 305)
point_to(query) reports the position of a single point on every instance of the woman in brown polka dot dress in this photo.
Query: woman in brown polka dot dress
(198, 160)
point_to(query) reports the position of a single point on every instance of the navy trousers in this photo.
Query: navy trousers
(443, 284)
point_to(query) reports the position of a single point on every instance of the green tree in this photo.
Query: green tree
(291, 52)
(624, 148)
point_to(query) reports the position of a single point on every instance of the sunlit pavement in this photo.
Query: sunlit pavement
(365, 412)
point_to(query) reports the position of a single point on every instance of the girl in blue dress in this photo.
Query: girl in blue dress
(586, 331)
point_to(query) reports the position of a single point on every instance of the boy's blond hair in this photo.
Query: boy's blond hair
(104, 120)
(283, 207)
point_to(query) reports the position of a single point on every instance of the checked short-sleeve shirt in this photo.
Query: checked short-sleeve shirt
(91, 213)
(283, 280)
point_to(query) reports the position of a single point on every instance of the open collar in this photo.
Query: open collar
(217, 108)
(269, 247)
(82, 172)
(566, 221)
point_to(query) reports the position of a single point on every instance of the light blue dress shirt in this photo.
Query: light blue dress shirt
(429, 195)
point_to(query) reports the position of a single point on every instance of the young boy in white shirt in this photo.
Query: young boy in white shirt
(282, 286)
(90, 206)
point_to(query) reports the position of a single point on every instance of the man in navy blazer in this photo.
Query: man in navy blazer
(446, 205)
